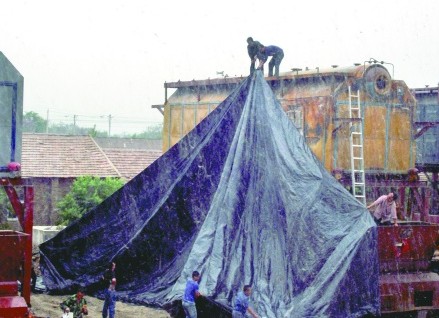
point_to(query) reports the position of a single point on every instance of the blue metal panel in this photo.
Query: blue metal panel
(11, 116)
(428, 144)
(13, 130)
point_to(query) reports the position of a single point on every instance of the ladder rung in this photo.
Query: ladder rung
(356, 142)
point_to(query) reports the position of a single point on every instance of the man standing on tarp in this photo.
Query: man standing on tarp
(276, 53)
(253, 51)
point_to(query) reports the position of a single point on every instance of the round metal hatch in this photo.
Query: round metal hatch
(377, 81)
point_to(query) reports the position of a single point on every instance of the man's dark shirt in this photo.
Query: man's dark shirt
(253, 49)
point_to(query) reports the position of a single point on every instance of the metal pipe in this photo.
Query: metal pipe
(27, 228)
(372, 60)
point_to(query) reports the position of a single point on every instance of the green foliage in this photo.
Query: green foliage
(86, 193)
(5, 209)
(152, 132)
(5, 226)
(34, 123)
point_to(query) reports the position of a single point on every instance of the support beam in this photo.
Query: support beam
(159, 108)
(25, 214)
(27, 228)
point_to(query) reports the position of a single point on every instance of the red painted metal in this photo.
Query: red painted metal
(399, 292)
(8, 288)
(13, 307)
(12, 249)
(405, 254)
(408, 247)
(27, 228)
(24, 212)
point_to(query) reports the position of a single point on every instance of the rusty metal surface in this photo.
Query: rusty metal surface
(405, 253)
(320, 96)
(408, 247)
(398, 291)
(339, 72)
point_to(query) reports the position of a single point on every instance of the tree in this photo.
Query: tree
(86, 193)
(5, 210)
(34, 123)
(152, 132)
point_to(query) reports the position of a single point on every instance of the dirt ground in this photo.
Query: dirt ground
(48, 306)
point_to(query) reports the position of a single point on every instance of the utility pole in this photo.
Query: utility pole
(109, 125)
(47, 122)
(74, 124)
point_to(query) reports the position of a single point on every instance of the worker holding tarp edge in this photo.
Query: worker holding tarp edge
(242, 304)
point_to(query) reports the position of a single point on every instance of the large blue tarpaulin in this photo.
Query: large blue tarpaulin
(241, 199)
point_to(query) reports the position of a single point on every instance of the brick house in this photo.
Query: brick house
(52, 162)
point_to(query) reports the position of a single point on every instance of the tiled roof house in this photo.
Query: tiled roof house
(52, 162)
(64, 157)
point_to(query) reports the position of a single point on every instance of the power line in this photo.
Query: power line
(120, 123)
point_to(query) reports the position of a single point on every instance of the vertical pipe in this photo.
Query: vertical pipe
(195, 114)
(410, 205)
(170, 125)
(425, 216)
(412, 142)
(435, 191)
(27, 228)
(14, 122)
(402, 202)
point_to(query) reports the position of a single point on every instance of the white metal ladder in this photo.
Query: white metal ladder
(356, 141)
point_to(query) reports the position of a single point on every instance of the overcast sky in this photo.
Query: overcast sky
(96, 58)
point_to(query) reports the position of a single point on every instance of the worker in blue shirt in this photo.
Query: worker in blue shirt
(276, 53)
(242, 304)
(190, 293)
(110, 300)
